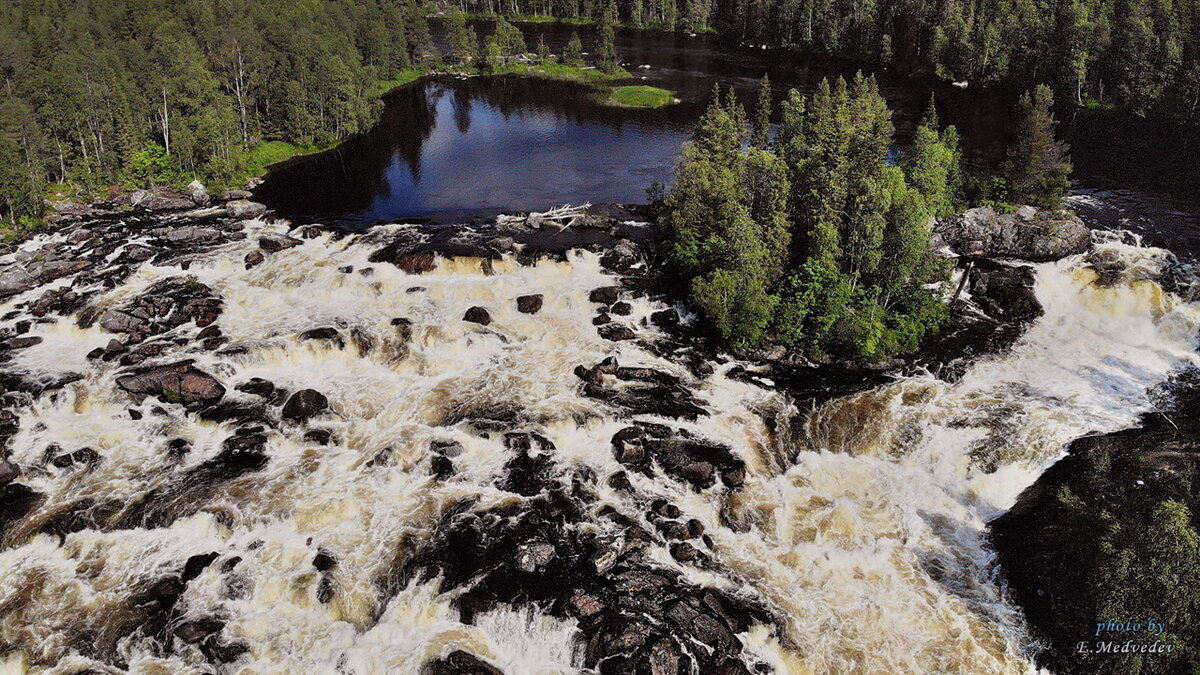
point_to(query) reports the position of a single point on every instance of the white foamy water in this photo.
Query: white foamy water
(864, 534)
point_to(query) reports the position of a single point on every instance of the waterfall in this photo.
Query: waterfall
(866, 552)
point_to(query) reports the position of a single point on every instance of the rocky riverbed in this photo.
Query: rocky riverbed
(501, 448)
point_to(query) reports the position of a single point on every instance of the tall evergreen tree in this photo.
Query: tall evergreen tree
(1038, 165)
(761, 134)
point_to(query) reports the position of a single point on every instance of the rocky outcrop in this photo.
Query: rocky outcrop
(167, 304)
(176, 383)
(1051, 549)
(1029, 233)
(244, 209)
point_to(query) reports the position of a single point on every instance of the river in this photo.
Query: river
(393, 527)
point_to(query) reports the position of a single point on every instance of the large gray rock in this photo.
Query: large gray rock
(198, 193)
(1029, 233)
(244, 209)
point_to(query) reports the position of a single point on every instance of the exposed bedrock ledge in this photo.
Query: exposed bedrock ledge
(1029, 233)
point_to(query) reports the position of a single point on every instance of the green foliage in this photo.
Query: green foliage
(1153, 571)
(1038, 165)
(151, 166)
(761, 134)
(933, 165)
(573, 53)
(641, 96)
(853, 283)
(606, 58)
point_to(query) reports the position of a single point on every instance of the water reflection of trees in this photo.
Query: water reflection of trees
(349, 178)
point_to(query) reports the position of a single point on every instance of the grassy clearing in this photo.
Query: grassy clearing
(641, 96)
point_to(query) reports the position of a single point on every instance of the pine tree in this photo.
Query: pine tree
(573, 53)
(606, 28)
(1038, 165)
(761, 135)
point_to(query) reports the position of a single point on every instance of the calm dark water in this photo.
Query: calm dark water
(456, 150)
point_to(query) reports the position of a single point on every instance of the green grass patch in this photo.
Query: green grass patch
(641, 96)
(404, 77)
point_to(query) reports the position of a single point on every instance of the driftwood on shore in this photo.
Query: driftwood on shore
(559, 217)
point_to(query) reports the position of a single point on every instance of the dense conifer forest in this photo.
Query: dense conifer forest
(98, 92)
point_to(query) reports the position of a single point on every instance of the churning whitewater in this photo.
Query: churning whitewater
(314, 464)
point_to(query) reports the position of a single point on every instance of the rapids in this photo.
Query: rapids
(860, 530)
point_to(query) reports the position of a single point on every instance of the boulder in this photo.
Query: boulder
(1038, 235)
(232, 195)
(616, 332)
(529, 304)
(459, 662)
(605, 295)
(415, 263)
(254, 258)
(192, 234)
(244, 209)
(478, 315)
(198, 193)
(304, 404)
(272, 243)
(178, 382)
(192, 632)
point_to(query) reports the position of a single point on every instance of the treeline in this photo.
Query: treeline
(95, 92)
(1140, 55)
(815, 239)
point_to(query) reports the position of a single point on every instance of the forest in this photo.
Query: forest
(131, 92)
(100, 92)
(815, 238)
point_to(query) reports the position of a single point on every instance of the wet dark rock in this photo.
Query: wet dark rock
(605, 295)
(459, 662)
(1005, 292)
(177, 383)
(532, 555)
(324, 561)
(621, 309)
(409, 261)
(616, 332)
(529, 304)
(531, 467)
(8, 472)
(664, 508)
(193, 234)
(273, 243)
(198, 193)
(304, 404)
(324, 334)
(167, 304)
(195, 631)
(178, 447)
(20, 342)
(1052, 546)
(244, 209)
(684, 552)
(319, 436)
(478, 315)
(695, 528)
(196, 564)
(1028, 233)
(601, 319)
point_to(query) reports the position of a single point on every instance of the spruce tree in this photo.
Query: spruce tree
(761, 135)
(1038, 165)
